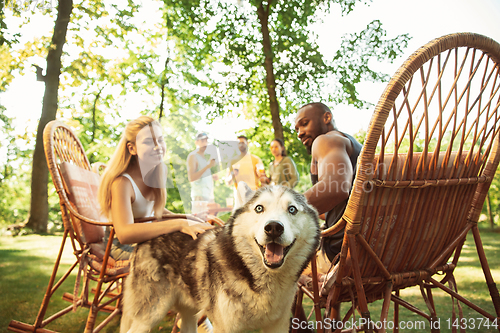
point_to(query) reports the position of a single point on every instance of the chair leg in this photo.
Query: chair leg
(385, 307)
(334, 316)
(16, 326)
(339, 325)
(453, 285)
(94, 308)
(49, 292)
(367, 319)
(317, 308)
(396, 314)
(298, 310)
(429, 301)
(495, 297)
(363, 304)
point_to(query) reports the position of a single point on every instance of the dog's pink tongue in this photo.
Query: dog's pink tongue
(274, 253)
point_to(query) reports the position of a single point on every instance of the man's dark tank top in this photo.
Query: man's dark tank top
(332, 245)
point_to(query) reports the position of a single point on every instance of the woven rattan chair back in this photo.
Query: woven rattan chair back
(432, 136)
(63, 147)
(429, 157)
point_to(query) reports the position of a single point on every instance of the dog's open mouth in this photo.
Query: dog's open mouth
(274, 254)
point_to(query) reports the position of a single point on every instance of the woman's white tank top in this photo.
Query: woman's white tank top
(141, 207)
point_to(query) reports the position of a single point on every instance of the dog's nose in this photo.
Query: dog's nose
(274, 229)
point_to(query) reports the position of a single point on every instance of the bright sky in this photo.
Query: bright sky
(424, 20)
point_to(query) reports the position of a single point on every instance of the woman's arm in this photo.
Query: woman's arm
(290, 172)
(293, 173)
(129, 232)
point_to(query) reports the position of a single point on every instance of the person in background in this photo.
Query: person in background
(245, 167)
(199, 174)
(334, 156)
(282, 171)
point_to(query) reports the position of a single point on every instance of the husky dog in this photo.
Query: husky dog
(243, 276)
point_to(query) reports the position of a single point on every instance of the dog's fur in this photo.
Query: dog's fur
(242, 275)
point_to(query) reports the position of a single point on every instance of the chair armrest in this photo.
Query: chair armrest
(334, 228)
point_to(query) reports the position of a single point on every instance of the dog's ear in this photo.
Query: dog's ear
(243, 194)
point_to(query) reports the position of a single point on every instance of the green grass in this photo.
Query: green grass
(26, 264)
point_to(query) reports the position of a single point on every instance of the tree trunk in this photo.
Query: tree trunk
(162, 87)
(163, 84)
(94, 115)
(39, 210)
(268, 65)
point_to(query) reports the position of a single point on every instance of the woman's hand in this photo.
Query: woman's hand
(193, 229)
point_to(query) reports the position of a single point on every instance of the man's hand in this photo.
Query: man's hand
(213, 220)
(211, 164)
(206, 217)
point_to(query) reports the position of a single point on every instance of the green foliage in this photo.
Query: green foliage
(351, 62)
(300, 70)
(6, 38)
(228, 38)
(14, 179)
(200, 56)
(3, 26)
(494, 202)
(15, 172)
(15, 197)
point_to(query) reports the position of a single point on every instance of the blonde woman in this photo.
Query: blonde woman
(127, 191)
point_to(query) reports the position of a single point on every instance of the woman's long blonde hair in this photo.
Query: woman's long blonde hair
(119, 163)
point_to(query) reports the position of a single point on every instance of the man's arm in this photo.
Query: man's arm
(230, 175)
(192, 164)
(256, 161)
(334, 168)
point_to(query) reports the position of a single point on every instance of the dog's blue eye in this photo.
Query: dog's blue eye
(259, 209)
(292, 210)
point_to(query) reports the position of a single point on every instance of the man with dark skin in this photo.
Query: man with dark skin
(333, 166)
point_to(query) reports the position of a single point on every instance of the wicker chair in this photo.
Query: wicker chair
(77, 186)
(429, 157)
